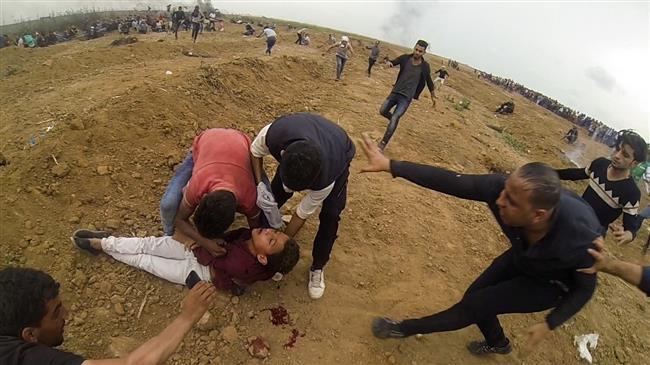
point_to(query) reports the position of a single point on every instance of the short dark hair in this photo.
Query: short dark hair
(300, 165)
(632, 139)
(544, 184)
(23, 298)
(215, 213)
(285, 260)
(422, 43)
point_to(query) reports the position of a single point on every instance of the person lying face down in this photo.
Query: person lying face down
(252, 255)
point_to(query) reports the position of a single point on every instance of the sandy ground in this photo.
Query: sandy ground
(92, 132)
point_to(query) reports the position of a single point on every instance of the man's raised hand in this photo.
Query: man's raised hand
(377, 162)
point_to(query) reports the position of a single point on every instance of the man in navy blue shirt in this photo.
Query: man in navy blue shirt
(549, 229)
(314, 155)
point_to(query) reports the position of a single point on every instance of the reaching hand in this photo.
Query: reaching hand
(377, 162)
(214, 249)
(534, 335)
(622, 237)
(600, 255)
(198, 300)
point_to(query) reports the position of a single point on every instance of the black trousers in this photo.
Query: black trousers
(371, 62)
(195, 30)
(500, 289)
(329, 217)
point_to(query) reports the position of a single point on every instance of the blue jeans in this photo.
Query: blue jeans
(340, 64)
(174, 194)
(401, 104)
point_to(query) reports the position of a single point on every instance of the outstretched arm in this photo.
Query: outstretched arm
(572, 174)
(474, 187)
(632, 273)
(158, 349)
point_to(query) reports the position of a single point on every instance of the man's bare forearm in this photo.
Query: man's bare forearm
(258, 168)
(629, 272)
(294, 225)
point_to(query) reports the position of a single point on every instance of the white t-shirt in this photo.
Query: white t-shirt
(268, 32)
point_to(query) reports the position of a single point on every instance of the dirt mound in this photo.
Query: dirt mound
(92, 135)
(126, 40)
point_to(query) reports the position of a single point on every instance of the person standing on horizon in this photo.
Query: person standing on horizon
(414, 72)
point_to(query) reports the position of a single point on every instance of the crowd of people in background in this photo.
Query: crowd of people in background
(163, 21)
(596, 129)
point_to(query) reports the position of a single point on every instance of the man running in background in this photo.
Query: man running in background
(414, 73)
(178, 17)
(374, 54)
(342, 49)
(196, 18)
(442, 75)
(271, 37)
(612, 189)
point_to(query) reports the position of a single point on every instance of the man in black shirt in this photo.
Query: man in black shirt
(32, 319)
(550, 230)
(414, 72)
(612, 190)
(177, 19)
(374, 54)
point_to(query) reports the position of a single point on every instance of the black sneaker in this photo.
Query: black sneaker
(480, 348)
(386, 328)
(81, 239)
(87, 233)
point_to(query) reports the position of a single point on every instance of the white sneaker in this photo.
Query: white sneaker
(316, 283)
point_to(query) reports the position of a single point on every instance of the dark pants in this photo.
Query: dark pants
(175, 26)
(340, 65)
(329, 216)
(299, 40)
(195, 30)
(371, 62)
(270, 42)
(500, 289)
(401, 104)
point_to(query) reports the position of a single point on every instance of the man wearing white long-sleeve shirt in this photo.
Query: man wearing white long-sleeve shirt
(314, 155)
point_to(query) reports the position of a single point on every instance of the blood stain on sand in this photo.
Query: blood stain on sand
(294, 337)
(279, 315)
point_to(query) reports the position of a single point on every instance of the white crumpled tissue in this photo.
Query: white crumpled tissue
(582, 341)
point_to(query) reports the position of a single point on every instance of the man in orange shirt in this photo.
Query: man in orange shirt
(213, 182)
